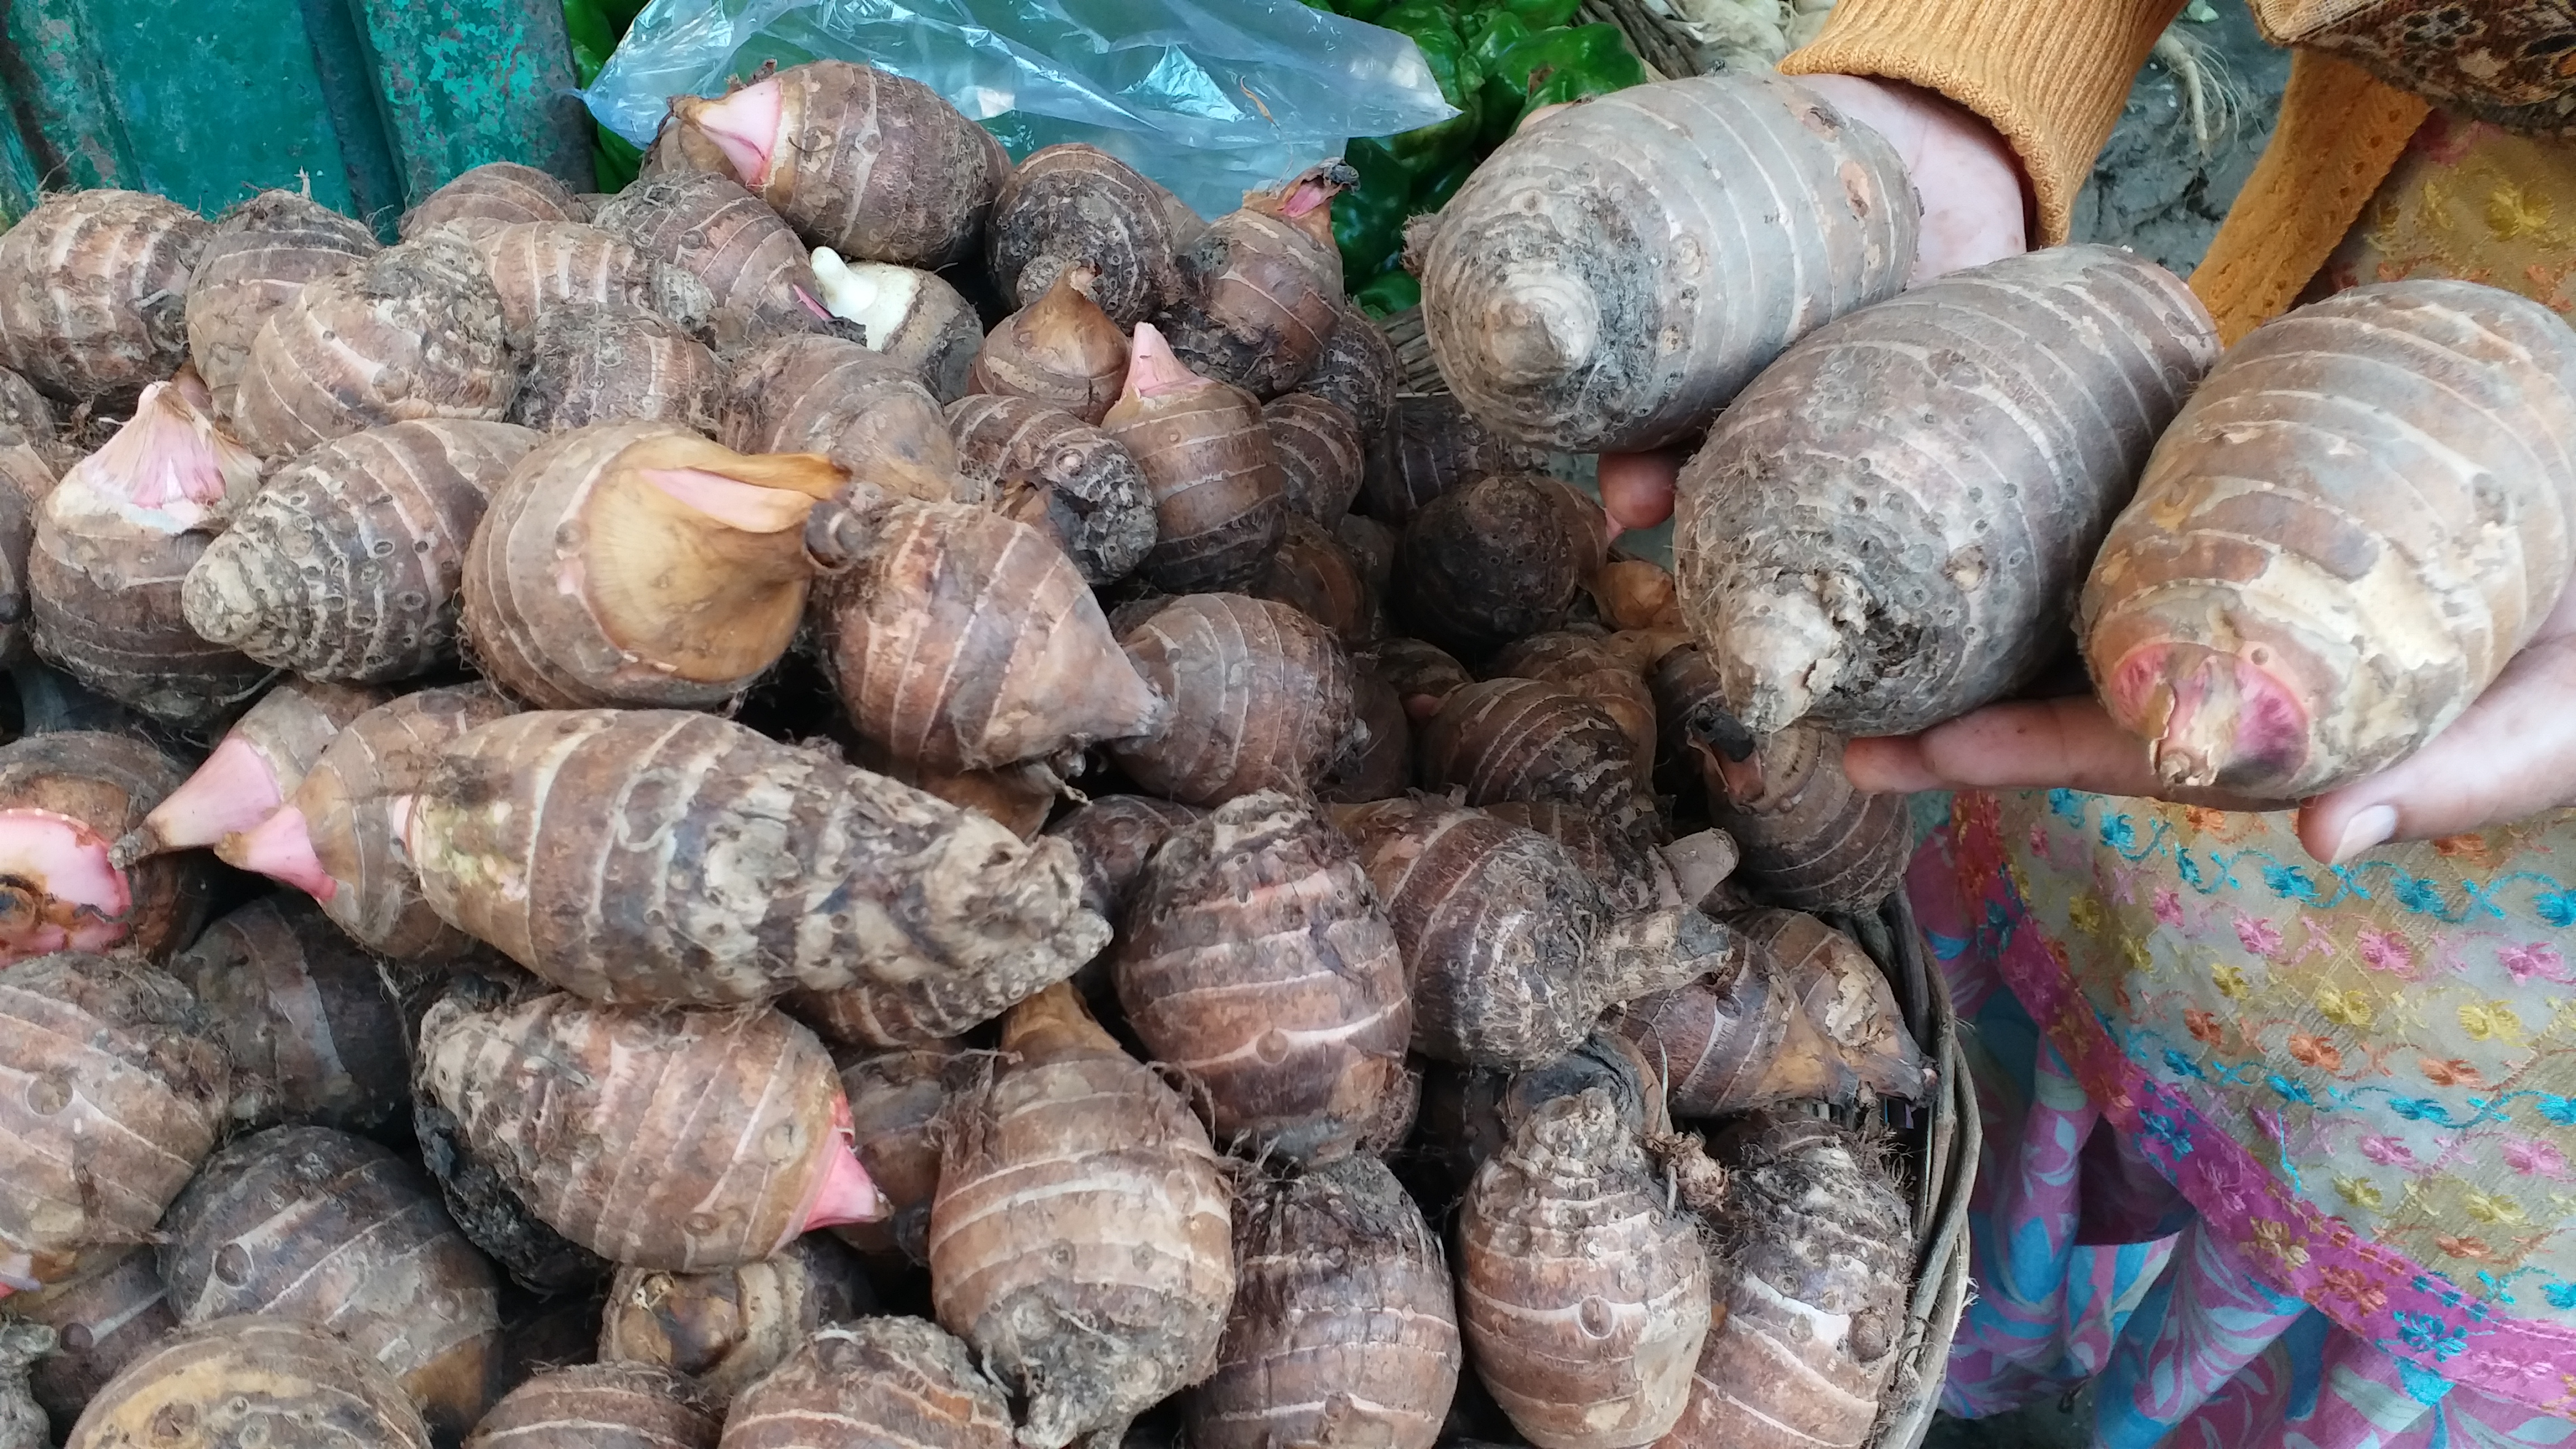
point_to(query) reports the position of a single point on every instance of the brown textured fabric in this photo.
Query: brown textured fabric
(2474, 201)
(2511, 63)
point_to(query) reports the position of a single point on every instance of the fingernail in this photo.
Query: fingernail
(2369, 828)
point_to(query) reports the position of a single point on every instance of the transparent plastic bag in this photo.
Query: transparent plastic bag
(1209, 97)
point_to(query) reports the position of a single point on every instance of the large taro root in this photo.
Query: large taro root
(497, 191)
(1428, 446)
(1220, 501)
(1260, 699)
(303, 1012)
(262, 253)
(1075, 205)
(1559, 326)
(915, 319)
(96, 307)
(897, 1382)
(101, 1322)
(1059, 475)
(609, 364)
(254, 1379)
(1522, 739)
(66, 797)
(542, 270)
(1113, 1294)
(600, 1406)
(753, 266)
(810, 393)
(255, 766)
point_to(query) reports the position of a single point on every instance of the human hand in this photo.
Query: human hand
(2510, 755)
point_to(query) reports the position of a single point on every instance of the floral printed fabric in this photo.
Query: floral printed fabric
(2471, 201)
(2510, 62)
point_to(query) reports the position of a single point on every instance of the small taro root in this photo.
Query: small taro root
(348, 563)
(1220, 500)
(1886, 528)
(254, 1379)
(502, 191)
(65, 799)
(915, 318)
(1113, 836)
(2274, 614)
(25, 478)
(1313, 574)
(687, 859)
(808, 393)
(600, 1406)
(1059, 475)
(412, 332)
(1358, 370)
(961, 640)
(895, 1096)
(1372, 546)
(1344, 1328)
(542, 269)
(1260, 290)
(1116, 1294)
(878, 1382)
(96, 303)
(1260, 699)
(101, 1323)
(1377, 763)
(1631, 593)
(112, 1087)
(257, 764)
(1074, 205)
(640, 564)
(114, 542)
(22, 1421)
(1321, 452)
(313, 1034)
(316, 1225)
(1809, 1016)
(1597, 667)
(262, 253)
(1811, 842)
(725, 1328)
(870, 164)
(1810, 1294)
(1583, 1290)
(1423, 676)
(754, 268)
(1494, 561)
(1428, 447)
(1255, 964)
(25, 412)
(1565, 330)
(336, 838)
(617, 363)
(1061, 350)
(678, 1139)
(1525, 739)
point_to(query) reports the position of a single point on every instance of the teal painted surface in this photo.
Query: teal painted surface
(463, 84)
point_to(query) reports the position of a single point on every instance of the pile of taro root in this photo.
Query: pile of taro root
(866, 797)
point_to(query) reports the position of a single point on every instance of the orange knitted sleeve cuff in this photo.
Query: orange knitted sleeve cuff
(2050, 74)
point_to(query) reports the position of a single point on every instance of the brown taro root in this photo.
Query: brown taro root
(501, 191)
(1358, 370)
(1321, 452)
(754, 268)
(1113, 836)
(336, 838)
(961, 640)
(256, 765)
(541, 269)
(347, 565)
(1313, 574)
(1597, 667)
(313, 1034)
(1582, 1287)
(870, 164)
(915, 318)
(1619, 854)
(113, 543)
(255, 1379)
(25, 478)
(640, 564)
(316, 1225)
(1423, 676)
(1372, 546)
(1886, 528)
(808, 393)
(1115, 1293)
(1809, 1016)
(1061, 350)
(600, 1406)
(1811, 842)
(1428, 447)
(2276, 613)
(1220, 501)
(1377, 763)
(686, 859)
(1631, 593)
(1074, 205)
(1019, 797)
(112, 1087)
(101, 1323)
(25, 412)
(606, 364)
(96, 305)
(677, 1139)
(880, 1383)
(22, 1421)
(1810, 1297)
(412, 332)
(1059, 475)
(262, 253)
(1344, 1328)
(1565, 330)
(1494, 561)
(1256, 965)
(1261, 289)
(724, 1328)
(895, 1096)
(1525, 739)
(65, 799)
(1260, 699)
